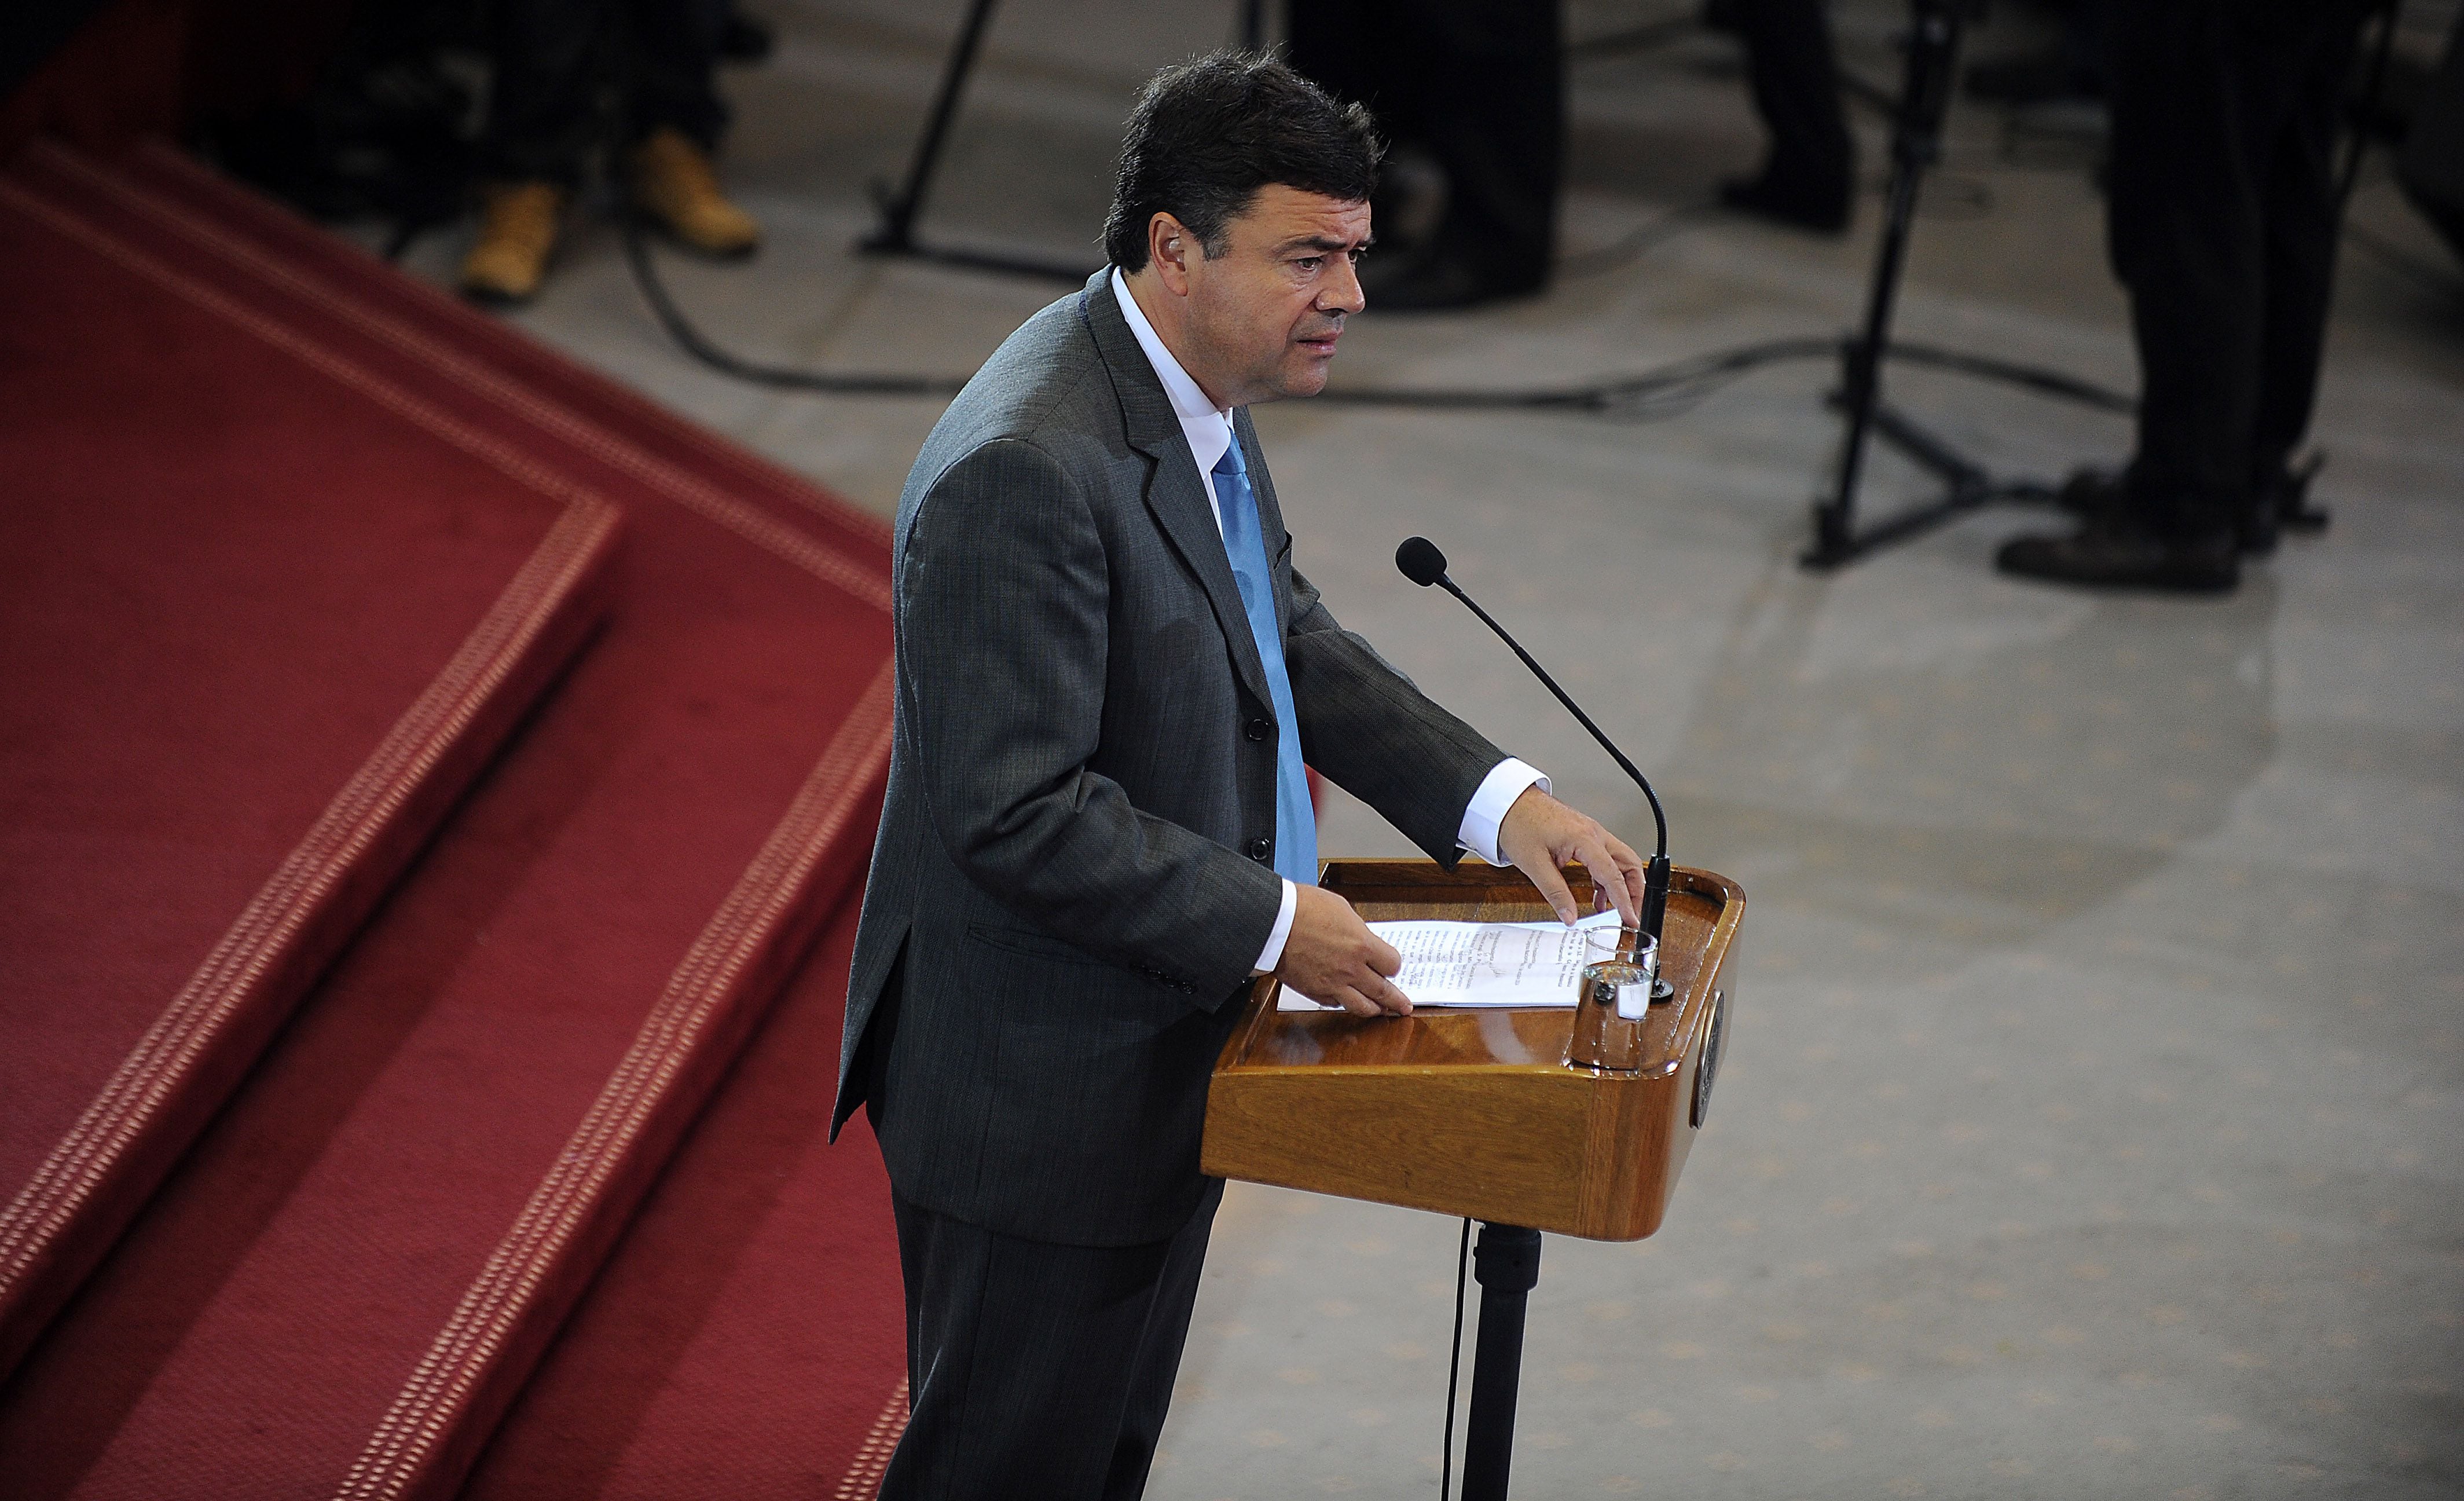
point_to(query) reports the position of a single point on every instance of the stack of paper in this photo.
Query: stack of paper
(1482, 963)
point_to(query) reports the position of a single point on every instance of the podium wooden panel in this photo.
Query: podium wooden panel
(1475, 1113)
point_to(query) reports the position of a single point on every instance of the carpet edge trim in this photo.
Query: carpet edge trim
(872, 1456)
(269, 932)
(402, 1454)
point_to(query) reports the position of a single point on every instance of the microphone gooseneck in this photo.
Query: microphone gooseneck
(1420, 561)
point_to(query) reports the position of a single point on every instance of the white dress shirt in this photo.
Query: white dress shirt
(1208, 428)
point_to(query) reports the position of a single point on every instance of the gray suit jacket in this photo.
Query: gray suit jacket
(1074, 851)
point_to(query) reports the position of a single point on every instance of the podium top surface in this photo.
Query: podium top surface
(1692, 939)
(1477, 1111)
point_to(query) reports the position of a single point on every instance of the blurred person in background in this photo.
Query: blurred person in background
(2221, 223)
(1477, 89)
(553, 59)
(1809, 177)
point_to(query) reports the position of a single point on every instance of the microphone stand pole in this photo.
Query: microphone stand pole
(1506, 1258)
(1505, 1261)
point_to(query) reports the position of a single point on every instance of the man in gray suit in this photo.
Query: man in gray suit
(1098, 825)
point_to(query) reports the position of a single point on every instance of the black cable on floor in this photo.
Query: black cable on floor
(1453, 1367)
(1632, 244)
(646, 276)
(1660, 391)
(2027, 377)
(1679, 382)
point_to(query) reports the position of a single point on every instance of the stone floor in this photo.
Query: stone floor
(2093, 1123)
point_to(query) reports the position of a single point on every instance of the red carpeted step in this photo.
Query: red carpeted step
(355, 1267)
(747, 1337)
(252, 646)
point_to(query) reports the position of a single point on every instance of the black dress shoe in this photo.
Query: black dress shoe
(2280, 502)
(2092, 494)
(1823, 207)
(2109, 554)
(2294, 511)
(2277, 503)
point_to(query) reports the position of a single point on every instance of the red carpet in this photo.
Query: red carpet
(748, 1334)
(353, 1272)
(255, 634)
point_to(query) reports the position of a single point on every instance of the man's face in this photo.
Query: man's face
(1264, 315)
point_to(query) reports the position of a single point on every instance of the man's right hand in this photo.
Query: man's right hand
(1332, 957)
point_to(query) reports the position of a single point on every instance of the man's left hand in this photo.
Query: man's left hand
(1541, 836)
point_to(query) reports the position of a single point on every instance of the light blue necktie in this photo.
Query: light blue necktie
(1295, 820)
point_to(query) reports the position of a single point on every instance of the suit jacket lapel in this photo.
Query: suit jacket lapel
(1175, 493)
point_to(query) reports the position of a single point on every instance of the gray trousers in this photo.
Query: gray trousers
(1035, 1372)
(1038, 1372)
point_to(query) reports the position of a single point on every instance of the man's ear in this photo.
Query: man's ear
(1169, 247)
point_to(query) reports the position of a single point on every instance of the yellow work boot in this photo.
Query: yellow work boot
(517, 229)
(672, 182)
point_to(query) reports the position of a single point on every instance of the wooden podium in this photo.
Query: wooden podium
(1476, 1113)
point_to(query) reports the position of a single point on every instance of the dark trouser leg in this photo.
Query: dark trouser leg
(1360, 52)
(674, 73)
(1158, 1352)
(2187, 239)
(542, 104)
(1481, 84)
(1791, 63)
(2300, 189)
(1038, 1371)
(1495, 86)
(1366, 52)
(2087, 41)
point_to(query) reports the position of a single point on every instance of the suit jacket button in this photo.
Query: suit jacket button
(1259, 729)
(1262, 850)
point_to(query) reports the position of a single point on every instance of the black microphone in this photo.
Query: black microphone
(1423, 565)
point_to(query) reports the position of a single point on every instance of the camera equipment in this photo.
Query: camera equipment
(1916, 144)
(896, 234)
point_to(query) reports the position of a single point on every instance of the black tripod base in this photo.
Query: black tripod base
(900, 208)
(1966, 488)
(885, 242)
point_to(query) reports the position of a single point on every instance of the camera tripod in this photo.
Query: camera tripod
(895, 235)
(1916, 144)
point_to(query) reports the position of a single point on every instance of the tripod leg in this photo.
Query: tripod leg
(1916, 141)
(1506, 1263)
(898, 213)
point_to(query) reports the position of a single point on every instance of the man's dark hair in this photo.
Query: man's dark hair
(1209, 133)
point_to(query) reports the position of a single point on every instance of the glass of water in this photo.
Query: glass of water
(1613, 999)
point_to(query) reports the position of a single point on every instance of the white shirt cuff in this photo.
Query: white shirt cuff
(1280, 934)
(1507, 781)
